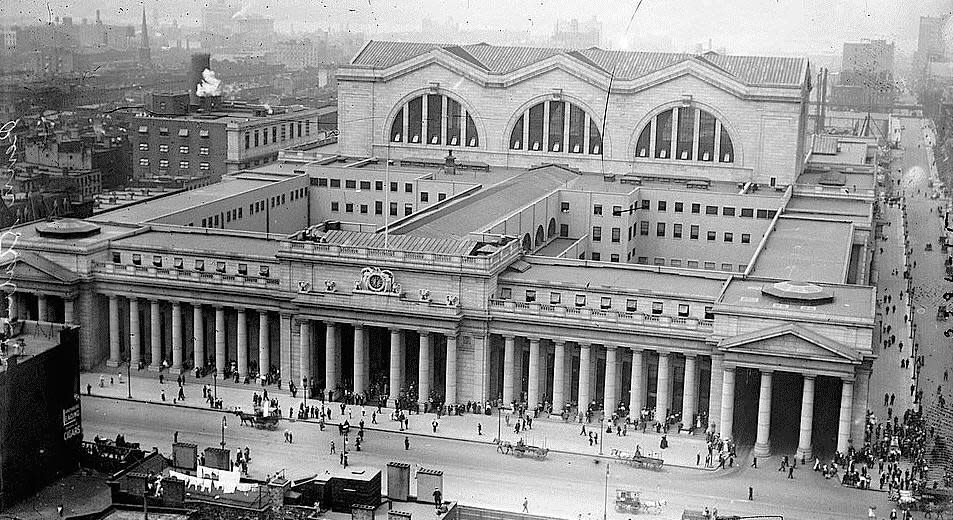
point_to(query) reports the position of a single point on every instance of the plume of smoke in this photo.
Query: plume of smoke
(210, 85)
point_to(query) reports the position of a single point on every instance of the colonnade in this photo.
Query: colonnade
(16, 307)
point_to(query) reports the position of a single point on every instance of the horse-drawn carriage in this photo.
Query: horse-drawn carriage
(638, 459)
(258, 419)
(627, 501)
(521, 449)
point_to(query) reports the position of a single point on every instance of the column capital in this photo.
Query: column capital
(510, 337)
(240, 309)
(533, 339)
(663, 353)
(690, 355)
(809, 376)
(176, 303)
(584, 344)
(610, 347)
(847, 380)
(112, 297)
(636, 348)
(729, 368)
(153, 301)
(766, 371)
(559, 342)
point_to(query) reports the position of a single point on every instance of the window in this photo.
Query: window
(350, 184)
(616, 211)
(642, 260)
(709, 312)
(527, 133)
(247, 138)
(555, 298)
(117, 258)
(164, 148)
(657, 307)
(178, 263)
(742, 268)
(163, 130)
(616, 235)
(440, 117)
(264, 270)
(694, 128)
(378, 185)
(365, 185)
(711, 210)
(530, 295)
(200, 265)
(693, 264)
(203, 150)
(674, 262)
(693, 232)
(596, 233)
(393, 209)
(220, 267)
(658, 260)
(335, 183)
(726, 267)
(136, 259)
(580, 300)
(597, 209)
(762, 213)
(662, 205)
(243, 269)
(596, 256)
(506, 293)
(424, 196)
(696, 208)
(378, 207)
(745, 238)
(322, 182)
(203, 133)
(631, 305)
(334, 206)
(364, 209)
(349, 207)
(393, 186)
(408, 187)
(676, 230)
(614, 257)
(679, 207)
(709, 265)
(204, 166)
(183, 132)
(644, 228)
(143, 147)
(728, 211)
(646, 204)
(157, 260)
(564, 230)
(682, 310)
(729, 237)
(144, 161)
(183, 165)
(605, 302)
(184, 149)
(712, 235)
(143, 129)
(564, 207)
(660, 229)
(441, 196)
(408, 209)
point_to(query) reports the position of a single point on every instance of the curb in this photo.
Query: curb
(382, 430)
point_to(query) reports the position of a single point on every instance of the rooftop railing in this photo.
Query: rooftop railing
(622, 318)
(185, 275)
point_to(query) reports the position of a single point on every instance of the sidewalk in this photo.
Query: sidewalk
(552, 434)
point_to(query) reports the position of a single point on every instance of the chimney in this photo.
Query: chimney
(450, 163)
(200, 62)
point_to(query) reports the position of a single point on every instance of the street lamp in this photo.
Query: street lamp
(129, 379)
(215, 386)
(224, 425)
(605, 496)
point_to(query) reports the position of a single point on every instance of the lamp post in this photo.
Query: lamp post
(605, 496)
(215, 386)
(129, 379)
(224, 425)
(304, 390)
(499, 423)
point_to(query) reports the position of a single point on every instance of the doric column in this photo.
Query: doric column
(115, 348)
(176, 338)
(12, 311)
(559, 374)
(423, 366)
(715, 388)
(360, 339)
(843, 424)
(264, 345)
(41, 307)
(609, 395)
(688, 393)
(242, 343)
(395, 369)
(636, 387)
(727, 402)
(330, 356)
(861, 390)
(155, 328)
(509, 361)
(451, 375)
(198, 336)
(69, 305)
(135, 339)
(762, 445)
(286, 325)
(220, 353)
(662, 394)
(532, 394)
(585, 351)
(807, 419)
(304, 349)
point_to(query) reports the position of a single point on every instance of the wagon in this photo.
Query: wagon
(627, 501)
(521, 449)
(267, 422)
(637, 459)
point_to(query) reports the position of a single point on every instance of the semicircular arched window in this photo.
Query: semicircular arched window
(556, 127)
(685, 134)
(434, 119)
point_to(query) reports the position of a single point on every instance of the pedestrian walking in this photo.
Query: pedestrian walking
(754, 462)
(479, 429)
(332, 447)
(175, 436)
(434, 424)
(163, 394)
(791, 471)
(750, 493)
(406, 442)
(525, 505)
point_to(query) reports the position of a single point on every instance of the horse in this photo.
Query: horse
(655, 506)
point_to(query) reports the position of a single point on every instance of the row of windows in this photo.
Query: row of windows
(287, 131)
(605, 302)
(556, 126)
(685, 134)
(352, 184)
(442, 120)
(691, 264)
(164, 148)
(695, 208)
(660, 231)
(198, 265)
(183, 165)
(378, 208)
(164, 130)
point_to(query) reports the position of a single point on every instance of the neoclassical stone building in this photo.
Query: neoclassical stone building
(670, 257)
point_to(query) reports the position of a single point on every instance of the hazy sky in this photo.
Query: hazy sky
(749, 26)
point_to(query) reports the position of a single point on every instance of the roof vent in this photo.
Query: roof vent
(799, 292)
(67, 228)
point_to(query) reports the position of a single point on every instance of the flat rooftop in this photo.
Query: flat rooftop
(857, 211)
(848, 151)
(850, 301)
(626, 278)
(851, 182)
(555, 246)
(479, 211)
(213, 241)
(809, 250)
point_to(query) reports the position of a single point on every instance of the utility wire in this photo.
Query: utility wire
(605, 118)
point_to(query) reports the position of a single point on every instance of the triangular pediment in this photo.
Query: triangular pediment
(27, 265)
(790, 341)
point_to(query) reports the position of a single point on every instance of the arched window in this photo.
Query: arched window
(556, 127)
(434, 119)
(685, 134)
